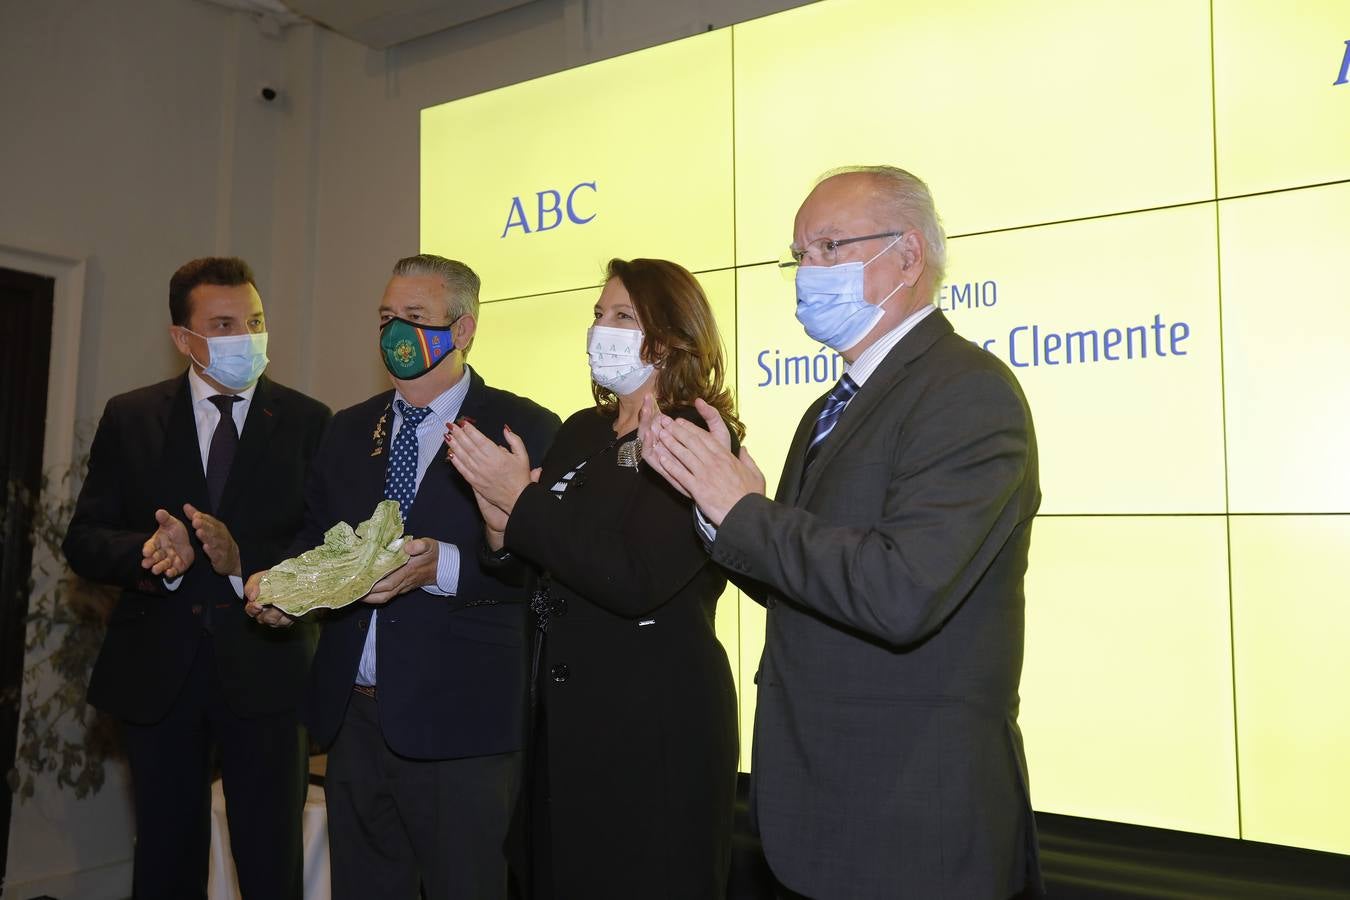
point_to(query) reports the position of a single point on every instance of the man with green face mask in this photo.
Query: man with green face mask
(194, 482)
(418, 690)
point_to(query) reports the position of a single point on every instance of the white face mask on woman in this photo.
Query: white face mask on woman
(616, 359)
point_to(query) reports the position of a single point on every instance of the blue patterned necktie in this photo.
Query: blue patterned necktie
(400, 476)
(838, 398)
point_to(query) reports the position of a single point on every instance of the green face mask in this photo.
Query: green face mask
(410, 350)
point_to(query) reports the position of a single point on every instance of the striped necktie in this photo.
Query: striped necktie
(838, 398)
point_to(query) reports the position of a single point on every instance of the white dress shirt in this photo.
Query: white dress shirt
(430, 442)
(862, 368)
(207, 416)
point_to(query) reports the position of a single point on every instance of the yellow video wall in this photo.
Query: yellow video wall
(1148, 207)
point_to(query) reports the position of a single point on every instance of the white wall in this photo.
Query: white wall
(132, 139)
(117, 135)
(366, 113)
(124, 143)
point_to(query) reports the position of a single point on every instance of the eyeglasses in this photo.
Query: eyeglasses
(824, 250)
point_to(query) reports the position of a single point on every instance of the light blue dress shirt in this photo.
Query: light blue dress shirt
(430, 441)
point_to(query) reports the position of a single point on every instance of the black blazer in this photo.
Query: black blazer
(640, 703)
(451, 669)
(145, 456)
(887, 758)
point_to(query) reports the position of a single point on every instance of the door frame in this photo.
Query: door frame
(63, 373)
(59, 439)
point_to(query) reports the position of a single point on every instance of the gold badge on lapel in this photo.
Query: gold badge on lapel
(379, 433)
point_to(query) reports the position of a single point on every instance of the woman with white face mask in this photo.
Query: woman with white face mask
(635, 743)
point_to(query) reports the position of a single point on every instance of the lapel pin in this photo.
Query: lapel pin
(378, 434)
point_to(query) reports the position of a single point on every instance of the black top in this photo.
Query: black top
(637, 691)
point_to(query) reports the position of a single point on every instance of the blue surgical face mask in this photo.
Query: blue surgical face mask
(236, 361)
(831, 305)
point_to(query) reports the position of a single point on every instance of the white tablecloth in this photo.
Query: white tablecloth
(222, 883)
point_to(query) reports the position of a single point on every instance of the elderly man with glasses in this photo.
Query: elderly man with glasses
(887, 758)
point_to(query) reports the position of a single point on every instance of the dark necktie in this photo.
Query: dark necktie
(838, 398)
(223, 444)
(400, 476)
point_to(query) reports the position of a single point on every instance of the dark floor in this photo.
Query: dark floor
(1086, 859)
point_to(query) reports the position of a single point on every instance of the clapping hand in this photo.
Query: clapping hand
(700, 463)
(494, 522)
(497, 473)
(217, 541)
(650, 420)
(167, 552)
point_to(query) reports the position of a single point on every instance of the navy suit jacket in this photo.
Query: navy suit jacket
(451, 670)
(145, 456)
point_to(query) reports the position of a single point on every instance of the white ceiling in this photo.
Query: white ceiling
(375, 23)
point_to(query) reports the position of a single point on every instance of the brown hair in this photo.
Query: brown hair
(680, 337)
(226, 271)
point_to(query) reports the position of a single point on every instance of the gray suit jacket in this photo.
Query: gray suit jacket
(887, 759)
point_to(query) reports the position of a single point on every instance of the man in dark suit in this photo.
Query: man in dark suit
(420, 688)
(887, 761)
(192, 482)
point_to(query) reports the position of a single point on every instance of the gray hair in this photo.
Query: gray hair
(906, 201)
(461, 283)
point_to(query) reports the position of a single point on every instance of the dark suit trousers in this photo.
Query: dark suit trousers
(395, 823)
(263, 767)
